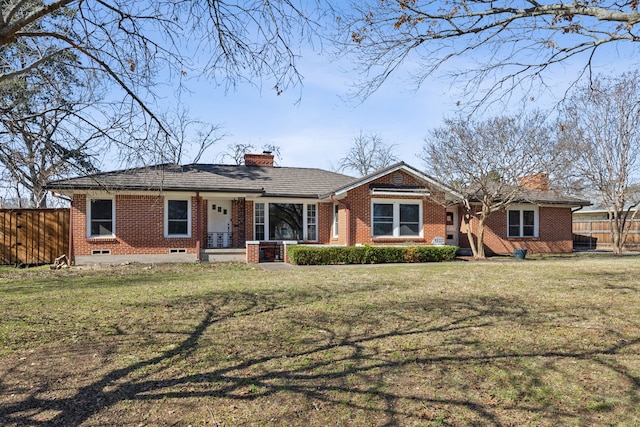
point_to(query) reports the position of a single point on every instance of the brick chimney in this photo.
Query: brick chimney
(264, 159)
(537, 182)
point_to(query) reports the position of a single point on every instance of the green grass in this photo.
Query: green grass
(541, 342)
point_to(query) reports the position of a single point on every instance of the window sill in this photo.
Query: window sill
(519, 239)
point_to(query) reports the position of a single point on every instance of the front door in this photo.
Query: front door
(219, 226)
(452, 226)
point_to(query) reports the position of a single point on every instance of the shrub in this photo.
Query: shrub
(326, 255)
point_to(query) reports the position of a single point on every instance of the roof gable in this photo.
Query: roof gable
(400, 166)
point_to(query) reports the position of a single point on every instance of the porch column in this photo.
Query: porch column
(253, 251)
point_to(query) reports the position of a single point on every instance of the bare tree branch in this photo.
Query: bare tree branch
(503, 46)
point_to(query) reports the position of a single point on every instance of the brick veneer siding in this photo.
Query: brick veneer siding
(359, 200)
(325, 222)
(139, 227)
(554, 236)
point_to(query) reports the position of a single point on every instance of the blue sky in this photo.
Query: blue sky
(318, 130)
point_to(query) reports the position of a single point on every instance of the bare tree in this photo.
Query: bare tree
(128, 43)
(505, 45)
(235, 152)
(44, 130)
(600, 126)
(484, 160)
(368, 153)
(188, 134)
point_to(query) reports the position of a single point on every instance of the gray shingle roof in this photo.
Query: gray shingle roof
(267, 181)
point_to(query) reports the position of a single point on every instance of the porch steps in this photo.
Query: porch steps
(223, 255)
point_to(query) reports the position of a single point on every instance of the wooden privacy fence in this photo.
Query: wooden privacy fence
(594, 234)
(33, 236)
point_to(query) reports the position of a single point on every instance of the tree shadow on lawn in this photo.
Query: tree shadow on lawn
(433, 360)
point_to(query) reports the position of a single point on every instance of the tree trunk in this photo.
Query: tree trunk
(616, 234)
(480, 238)
(472, 244)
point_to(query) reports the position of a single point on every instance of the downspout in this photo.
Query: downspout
(198, 237)
(348, 209)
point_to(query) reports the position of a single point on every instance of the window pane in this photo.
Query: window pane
(101, 228)
(383, 212)
(178, 209)
(514, 223)
(409, 213)
(260, 232)
(259, 213)
(514, 218)
(528, 223)
(178, 227)
(335, 220)
(102, 209)
(285, 221)
(409, 229)
(383, 219)
(409, 220)
(382, 229)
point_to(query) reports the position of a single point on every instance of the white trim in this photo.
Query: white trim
(166, 217)
(113, 218)
(335, 223)
(396, 217)
(404, 192)
(520, 207)
(406, 168)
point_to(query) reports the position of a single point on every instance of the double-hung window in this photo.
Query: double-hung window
(522, 221)
(177, 218)
(336, 211)
(101, 218)
(259, 221)
(396, 218)
(311, 223)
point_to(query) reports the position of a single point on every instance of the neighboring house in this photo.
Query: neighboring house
(228, 212)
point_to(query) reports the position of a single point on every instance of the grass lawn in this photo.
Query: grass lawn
(540, 342)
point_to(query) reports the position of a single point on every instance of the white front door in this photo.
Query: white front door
(453, 227)
(219, 223)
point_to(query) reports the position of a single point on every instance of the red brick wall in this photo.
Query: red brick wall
(139, 227)
(325, 222)
(555, 234)
(433, 214)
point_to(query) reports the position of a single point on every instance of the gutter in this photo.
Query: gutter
(348, 209)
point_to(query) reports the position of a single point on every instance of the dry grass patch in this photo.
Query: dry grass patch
(543, 342)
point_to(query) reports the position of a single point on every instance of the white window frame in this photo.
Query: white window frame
(305, 224)
(396, 217)
(336, 220)
(166, 217)
(264, 207)
(536, 220)
(113, 218)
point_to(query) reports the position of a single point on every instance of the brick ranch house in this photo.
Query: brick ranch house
(203, 212)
